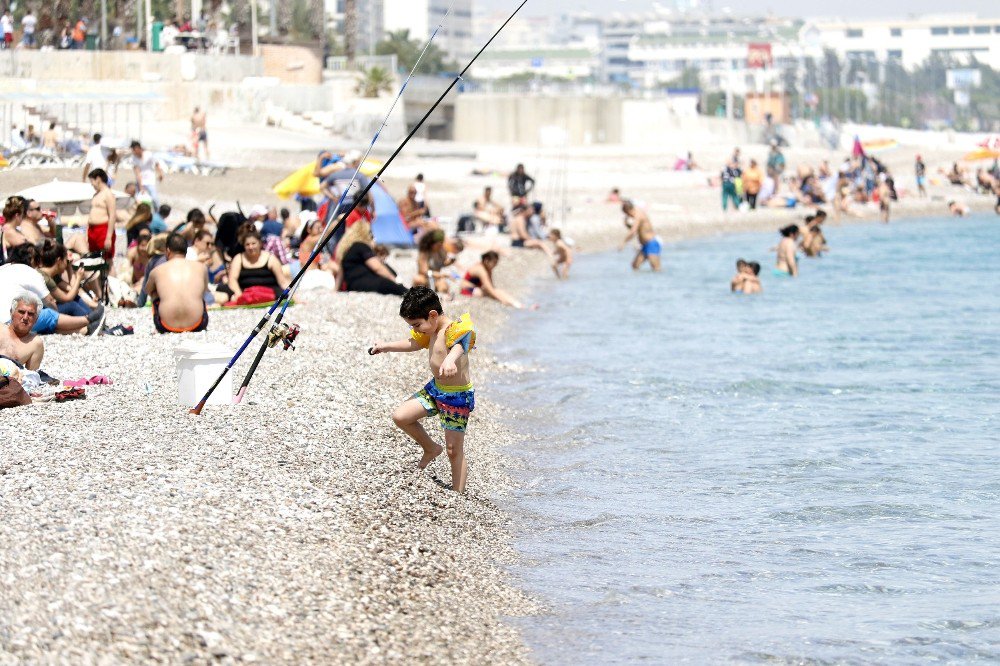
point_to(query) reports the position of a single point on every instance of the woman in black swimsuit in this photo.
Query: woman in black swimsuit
(255, 268)
(360, 269)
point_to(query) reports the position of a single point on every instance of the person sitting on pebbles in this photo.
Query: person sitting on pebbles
(17, 342)
(177, 288)
(478, 281)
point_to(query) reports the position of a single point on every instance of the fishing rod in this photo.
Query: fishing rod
(285, 333)
(343, 218)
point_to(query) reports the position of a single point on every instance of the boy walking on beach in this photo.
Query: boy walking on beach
(449, 394)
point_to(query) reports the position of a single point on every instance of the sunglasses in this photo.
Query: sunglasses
(35, 208)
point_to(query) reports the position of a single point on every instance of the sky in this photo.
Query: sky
(792, 8)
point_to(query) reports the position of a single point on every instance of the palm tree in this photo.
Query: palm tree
(373, 82)
(350, 30)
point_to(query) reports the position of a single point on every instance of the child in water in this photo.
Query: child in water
(562, 257)
(449, 394)
(746, 280)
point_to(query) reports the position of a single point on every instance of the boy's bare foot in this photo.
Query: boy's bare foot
(429, 456)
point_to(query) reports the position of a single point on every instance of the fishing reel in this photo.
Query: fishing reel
(283, 333)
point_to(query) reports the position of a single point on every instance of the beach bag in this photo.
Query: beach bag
(11, 393)
(466, 224)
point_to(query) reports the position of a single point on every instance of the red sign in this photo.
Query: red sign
(759, 56)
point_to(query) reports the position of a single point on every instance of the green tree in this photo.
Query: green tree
(407, 51)
(690, 78)
(374, 81)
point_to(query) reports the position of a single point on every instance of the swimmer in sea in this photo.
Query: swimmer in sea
(746, 281)
(813, 242)
(751, 285)
(638, 224)
(562, 254)
(787, 266)
(736, 284)
(959, 209)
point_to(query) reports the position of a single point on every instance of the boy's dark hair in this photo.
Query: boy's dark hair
(755, 267)
(25, 253)
(99, 174)
(165, 211)
(789, 230)
(97, 138)
(284, 214)
(418, 303)
(49, 252)
(740, 263)
(177, 244)
(489, 256)
(820, 214)
(135, 144)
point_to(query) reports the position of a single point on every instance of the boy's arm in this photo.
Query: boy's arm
(406, 345)
(448, 366)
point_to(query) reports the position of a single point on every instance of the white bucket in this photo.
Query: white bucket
(198, 366)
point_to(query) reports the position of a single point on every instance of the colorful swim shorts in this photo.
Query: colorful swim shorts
(452, 404)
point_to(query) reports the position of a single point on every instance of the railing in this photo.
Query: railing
(361, 63)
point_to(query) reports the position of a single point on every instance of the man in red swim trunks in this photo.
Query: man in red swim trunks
(101, 221)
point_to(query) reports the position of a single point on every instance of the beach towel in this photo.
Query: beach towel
(254, 296)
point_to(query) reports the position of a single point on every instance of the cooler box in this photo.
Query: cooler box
(198, 365)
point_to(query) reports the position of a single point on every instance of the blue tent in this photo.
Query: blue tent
(388, 227)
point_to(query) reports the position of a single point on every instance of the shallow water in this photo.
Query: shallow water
(810, 475)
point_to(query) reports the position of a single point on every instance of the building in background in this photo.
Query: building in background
(421, 17)
(742, 54)
(912, 41)
(570, 63)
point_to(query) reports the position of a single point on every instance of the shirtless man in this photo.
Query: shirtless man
(638, 224)
(199, 132)
(31, 224)
(50, 139)
(101, 221)
(16, 339)
(488, 211)
(177, 289)
(520, 234)
(414, 214)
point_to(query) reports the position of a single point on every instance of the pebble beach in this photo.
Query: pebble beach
(293, 527)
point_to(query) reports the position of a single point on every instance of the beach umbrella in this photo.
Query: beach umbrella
(68, 196)
(304, 183)
(981, 154)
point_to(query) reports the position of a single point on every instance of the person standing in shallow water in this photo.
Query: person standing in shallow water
(787, 265)
(638, 224)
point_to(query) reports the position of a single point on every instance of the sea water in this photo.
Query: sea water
(811, 475)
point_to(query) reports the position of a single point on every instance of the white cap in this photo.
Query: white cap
(352, 156)
(258, 210)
